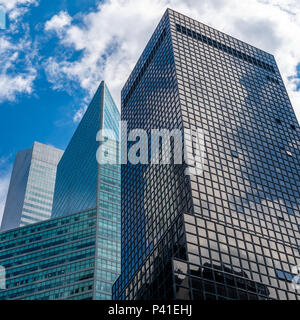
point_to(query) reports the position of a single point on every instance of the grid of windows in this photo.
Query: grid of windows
(235, 234)
(252, 265)
(77, 255)
(50, 260)
(223, 47)
(145, 66)
(109, 200)
(42, 175)
(152, 196)
(76, 182)
(31, 187)
(82, 183)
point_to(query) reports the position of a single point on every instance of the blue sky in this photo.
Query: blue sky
(39, 112)
(55, 53)
(45, 114)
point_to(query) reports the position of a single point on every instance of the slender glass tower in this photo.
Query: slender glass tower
(231, 231)
(89, 177)
(31, 188)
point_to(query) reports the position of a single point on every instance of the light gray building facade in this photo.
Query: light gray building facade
(31, 188)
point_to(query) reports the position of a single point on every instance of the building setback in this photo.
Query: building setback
(231, 232)
(30, 194)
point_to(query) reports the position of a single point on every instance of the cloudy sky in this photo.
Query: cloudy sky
(54, 54)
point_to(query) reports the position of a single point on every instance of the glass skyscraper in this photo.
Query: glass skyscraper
(76, 253)
(231, 232)
(31, 188)
(83, 183)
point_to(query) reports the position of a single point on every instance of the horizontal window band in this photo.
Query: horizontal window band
(224, 48)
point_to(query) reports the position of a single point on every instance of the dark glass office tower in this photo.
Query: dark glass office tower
(31, 188)
(84, 184)
(231, 232)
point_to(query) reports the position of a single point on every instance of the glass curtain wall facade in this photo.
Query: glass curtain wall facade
(76, 182)
(108, 245)
(50, 260)
(83, 183)
(231, 232)
(31, 188)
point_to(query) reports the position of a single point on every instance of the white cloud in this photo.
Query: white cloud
(112, 38)
(79, 114)
(10, 86)
(17, 8)
(12, 52)
(12, 81)
(58, 22)
(12, 4)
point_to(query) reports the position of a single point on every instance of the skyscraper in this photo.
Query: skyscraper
(75, 254)
(232, 231)
(84, 183)
(31, 188)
